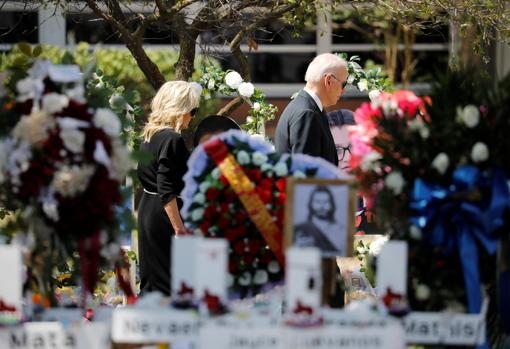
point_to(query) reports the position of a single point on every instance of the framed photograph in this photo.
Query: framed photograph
(320, 213)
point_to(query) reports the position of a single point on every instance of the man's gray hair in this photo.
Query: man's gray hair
(323, 64)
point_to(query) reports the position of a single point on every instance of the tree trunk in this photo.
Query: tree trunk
(185, 64)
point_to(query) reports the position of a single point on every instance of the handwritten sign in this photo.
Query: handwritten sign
(348, 337)
(153, 325)
(445, 328)
(53, 335)
(213, 336)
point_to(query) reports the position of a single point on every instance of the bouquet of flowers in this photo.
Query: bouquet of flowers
(61, 170)
(235, 189)
(437, 172)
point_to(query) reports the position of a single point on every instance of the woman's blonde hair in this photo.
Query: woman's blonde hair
(173, 100)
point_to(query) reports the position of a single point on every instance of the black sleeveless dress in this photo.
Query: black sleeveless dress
(162, 180)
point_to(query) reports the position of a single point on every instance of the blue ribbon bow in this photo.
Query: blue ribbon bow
(470, 209)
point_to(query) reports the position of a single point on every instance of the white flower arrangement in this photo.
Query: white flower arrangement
(246, 89)
(233, 79)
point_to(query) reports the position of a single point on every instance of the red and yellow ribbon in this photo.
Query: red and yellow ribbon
(245, 190)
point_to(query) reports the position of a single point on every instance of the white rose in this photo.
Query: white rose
(197, 214)
(233, 79)
(259, 158)
(363, 85)
(243, 158)
(54, 102)
(260, 277)
(216, 173)
(29, 88)
(256, 106)
(266, 167)
(441, 163)
(204, 186)
(70, 180)
(246, 89)
(108, 121)
(424, 132)
(369, 161)
(34, 127)
(298, 174)
(249, 120)
(199, 198)
(479, 152)
(470, 115)
(273, 267)
(73, 139)
(281, 169)
(121, 161)
(415, 232)
(210, 84)
(245, 279)
(376, 246)
(422, 292)
(76, 93)
(374, 94)
(395, 182)
(100, 155)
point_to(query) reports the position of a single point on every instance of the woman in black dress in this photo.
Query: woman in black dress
(158, 214)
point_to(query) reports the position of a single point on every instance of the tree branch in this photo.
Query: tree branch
(133, 42)
(231, 106)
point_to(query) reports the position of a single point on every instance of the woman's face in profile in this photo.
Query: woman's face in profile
(342, 144)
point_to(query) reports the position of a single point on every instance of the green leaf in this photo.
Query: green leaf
(37, 51)
(67, 58)
(25, 48)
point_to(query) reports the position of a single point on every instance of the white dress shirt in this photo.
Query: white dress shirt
(315, 97)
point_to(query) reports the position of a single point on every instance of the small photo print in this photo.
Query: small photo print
(320, 213)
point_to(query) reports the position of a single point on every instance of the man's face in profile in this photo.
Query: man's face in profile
(321, 205)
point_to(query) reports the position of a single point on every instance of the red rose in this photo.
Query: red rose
(223, 222)
(224, 180)
(212, 194)
(266, 183)
(248, 259)
(265, 195)
(255, 175)
(210, 211)
(224, 207)
(280, 199)
(254, 246)
(240, 216)
(230, 195)
(281, 184)
(204, 227)
(239, 247)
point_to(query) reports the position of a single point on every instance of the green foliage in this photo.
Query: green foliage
(368, 79)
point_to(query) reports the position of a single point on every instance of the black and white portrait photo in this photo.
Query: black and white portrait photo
(321, 214)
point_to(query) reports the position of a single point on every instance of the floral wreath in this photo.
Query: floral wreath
(61, 169)
(235, 189)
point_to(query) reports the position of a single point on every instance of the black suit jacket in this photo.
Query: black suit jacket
(303, 128)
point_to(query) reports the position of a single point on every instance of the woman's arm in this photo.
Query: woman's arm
(172, 210)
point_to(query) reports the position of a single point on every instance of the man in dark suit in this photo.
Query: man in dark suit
(303, 126)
